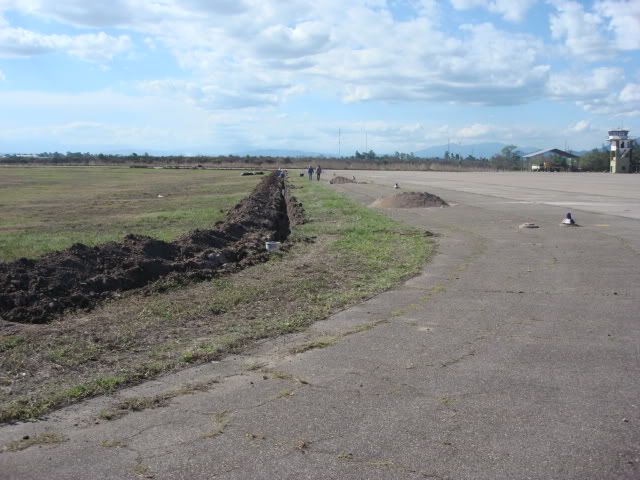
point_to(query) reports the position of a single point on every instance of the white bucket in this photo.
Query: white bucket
(272, 246)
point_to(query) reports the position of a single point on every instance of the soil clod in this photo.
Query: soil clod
(340, 180)
(410, 200)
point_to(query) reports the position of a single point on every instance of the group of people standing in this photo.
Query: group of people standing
(318, 171)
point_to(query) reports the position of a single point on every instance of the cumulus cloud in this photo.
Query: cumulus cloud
(215, 95)
(512, 10)
(98, 47)
(624, 21)
(237, 51)
(618, 100)
(580, 30)
(603, 90)
(630, 93)
(278, 41)
(476, 130)
(625, 102)
(600, 82)
(580, 126)
(243, 54)
(221, 7)
(97, 13)
(483, 66)
(596, 34)
(102, 118)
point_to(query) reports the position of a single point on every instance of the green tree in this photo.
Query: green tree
(597, 160)
(509, 158)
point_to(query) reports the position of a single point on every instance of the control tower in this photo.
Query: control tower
(620, 159)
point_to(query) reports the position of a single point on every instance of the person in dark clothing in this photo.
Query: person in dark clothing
(310, 172)
(318, 172)
(568, 220)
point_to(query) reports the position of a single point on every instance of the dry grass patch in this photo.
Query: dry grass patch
(27, 441)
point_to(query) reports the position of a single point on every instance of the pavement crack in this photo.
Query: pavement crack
(453, 361)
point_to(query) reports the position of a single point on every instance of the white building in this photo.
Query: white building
(620, 158)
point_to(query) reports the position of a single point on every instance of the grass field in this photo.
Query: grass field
(44, 209)
(345, 253)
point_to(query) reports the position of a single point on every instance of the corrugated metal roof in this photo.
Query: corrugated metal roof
(557, 151)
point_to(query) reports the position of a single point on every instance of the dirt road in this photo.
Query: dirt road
(514, 355)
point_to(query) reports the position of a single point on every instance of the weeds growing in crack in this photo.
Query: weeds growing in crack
(323, 342)
(45, 438)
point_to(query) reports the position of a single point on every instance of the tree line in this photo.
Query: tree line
(509, 158)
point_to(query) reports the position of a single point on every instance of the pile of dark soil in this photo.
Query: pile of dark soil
(340, 180)
(410, 200)
(35, 291)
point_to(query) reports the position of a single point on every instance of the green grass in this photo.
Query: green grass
(28, 409)
(10, 342)
(365, 240)
(44, 209)
(354, 254)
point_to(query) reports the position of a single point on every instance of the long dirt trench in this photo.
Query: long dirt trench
(35, 291)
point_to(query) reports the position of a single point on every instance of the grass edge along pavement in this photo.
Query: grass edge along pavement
(344, 254)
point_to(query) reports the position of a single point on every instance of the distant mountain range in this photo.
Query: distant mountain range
(478, 150)
(279, 153)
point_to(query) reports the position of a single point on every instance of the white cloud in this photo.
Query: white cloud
(256, 54)
(624, 21)
(600, 82)
(596, 34)
(215, 96)
(476, 130)
(98, 47)
(260, 52)
(106, 120)
(580, 126)
(580, 30)
(623, 101)
(140, 121)
(97, 13)
(278, 41)
(467, 4)
(512, 10)
(630, 93)
(484, 66)
(521, 134)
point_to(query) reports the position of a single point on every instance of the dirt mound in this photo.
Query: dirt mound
(35, 291)
(410, 200)
(340, 180)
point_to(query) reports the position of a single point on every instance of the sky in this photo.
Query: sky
(327, 76)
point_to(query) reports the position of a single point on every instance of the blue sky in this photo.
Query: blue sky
(222, 76)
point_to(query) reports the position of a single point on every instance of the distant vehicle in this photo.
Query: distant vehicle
(551, 167)
(546, 167)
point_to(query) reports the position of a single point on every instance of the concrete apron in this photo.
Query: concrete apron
(514, 355)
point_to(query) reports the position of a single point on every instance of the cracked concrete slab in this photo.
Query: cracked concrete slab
(514, 354)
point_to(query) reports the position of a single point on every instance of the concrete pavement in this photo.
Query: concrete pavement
(515, 355)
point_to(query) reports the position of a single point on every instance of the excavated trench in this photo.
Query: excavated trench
(36, 291)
